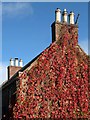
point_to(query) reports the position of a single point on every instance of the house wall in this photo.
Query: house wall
(7, 93)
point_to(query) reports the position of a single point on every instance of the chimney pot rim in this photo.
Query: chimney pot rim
(11, 59)
(16, 58)
(20, 60)
(58, 10)
(65, 12)
(71, 12)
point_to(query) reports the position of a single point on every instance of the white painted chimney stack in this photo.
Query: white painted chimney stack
(71, 18)
(58, 15)
(11, 62)
(16, 61)
(21, 63)
(65, 15)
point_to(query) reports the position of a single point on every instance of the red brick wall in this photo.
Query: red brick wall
(12, 70)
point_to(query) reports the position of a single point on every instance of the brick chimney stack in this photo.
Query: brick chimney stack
(62, 19)
(14, 67)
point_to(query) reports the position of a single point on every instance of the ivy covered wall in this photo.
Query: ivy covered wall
(56, 86)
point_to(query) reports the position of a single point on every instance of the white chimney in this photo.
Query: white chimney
(58, 15)
(71, 18)
(65, 15)
(11, 62)
(16, 61)
(21, 63)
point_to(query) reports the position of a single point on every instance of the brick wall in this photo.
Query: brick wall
(12, 70)
(58, 29)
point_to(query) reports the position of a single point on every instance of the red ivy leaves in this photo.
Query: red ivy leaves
(57, 86)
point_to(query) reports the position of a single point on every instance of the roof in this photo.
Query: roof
(16, 75)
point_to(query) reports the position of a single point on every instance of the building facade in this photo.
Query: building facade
(53, 85)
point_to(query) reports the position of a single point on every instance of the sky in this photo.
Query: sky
(26, 28)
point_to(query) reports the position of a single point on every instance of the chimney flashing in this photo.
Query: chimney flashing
(62, 23)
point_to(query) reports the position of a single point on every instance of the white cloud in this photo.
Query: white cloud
(13, 9)
(84, 45)
(3, 72)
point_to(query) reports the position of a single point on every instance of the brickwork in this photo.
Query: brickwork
(58, 29)
(12, 70)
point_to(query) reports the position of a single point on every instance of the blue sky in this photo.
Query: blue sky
(26, 28)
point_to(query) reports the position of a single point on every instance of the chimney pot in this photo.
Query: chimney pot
(16, 61)
(71, 17)
(65, 16)
(57, 15)
(11, 62)
(21, 63)
(58, 27)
